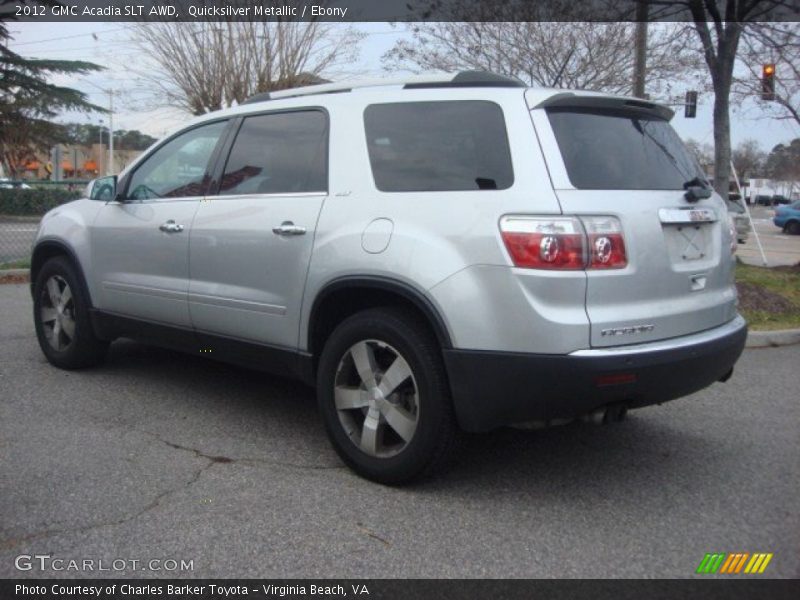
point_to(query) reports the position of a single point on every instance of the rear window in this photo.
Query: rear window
(438, 146)
(618, 151)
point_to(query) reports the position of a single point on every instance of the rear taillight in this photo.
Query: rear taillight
(732, 232)
(606, 243)
(564, 243)
(544, 242)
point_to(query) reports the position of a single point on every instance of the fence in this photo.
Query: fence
(21, 209)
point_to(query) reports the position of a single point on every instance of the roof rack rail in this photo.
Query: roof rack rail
(471, 79)
(462, 79)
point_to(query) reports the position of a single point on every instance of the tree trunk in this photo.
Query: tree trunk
(722, 137)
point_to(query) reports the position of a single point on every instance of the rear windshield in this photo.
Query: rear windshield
(619, 151)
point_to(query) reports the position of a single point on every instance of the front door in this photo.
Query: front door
(140, 242)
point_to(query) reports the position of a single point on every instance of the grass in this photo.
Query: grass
(772, 298)
(24, 263)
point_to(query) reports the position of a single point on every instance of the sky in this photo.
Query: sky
(109, 44)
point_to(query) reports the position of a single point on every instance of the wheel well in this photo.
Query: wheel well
(343, 301)
(47, 250)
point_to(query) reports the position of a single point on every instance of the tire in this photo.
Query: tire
(61, 317)
(793, 227)
(407, 429)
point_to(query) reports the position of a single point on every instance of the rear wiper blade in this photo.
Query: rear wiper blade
(696, 189)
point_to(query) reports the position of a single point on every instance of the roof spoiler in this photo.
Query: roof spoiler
(569, 100)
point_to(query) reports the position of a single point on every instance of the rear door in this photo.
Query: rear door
(251, 242)
(621, 158)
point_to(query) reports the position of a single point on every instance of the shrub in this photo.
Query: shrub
(24, 202)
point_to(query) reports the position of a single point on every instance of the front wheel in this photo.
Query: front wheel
(384, 398)
(61, 317)
(793, 227)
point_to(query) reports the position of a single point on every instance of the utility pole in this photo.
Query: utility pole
(640, 49)
(110, 169)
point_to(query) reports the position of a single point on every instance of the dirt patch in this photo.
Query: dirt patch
(13, 279)
(788, 269)
(756, 298)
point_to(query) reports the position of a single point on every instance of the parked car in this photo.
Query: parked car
(788, 218)
(740, 218)
(446, 253)
(8, 184)
(763, 200)
(780, 199)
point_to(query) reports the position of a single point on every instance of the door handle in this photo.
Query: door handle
(170, 227)
(288, 228)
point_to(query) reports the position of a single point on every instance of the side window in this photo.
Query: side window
(279, 153)
(178, 168)
(438, 146)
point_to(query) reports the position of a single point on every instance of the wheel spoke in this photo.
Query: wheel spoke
(56, 339)
(396, 374)
(53, 291)
(369, 433)
(364, 359)
(48, 314)
(348, 398)
(66, 296)
(402, 423)
(68, 326)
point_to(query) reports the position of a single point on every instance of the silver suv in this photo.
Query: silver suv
(450, 253)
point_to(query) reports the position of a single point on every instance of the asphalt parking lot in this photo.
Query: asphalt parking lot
(164, 456)
(779, 248)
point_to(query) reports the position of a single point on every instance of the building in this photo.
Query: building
(77, 162)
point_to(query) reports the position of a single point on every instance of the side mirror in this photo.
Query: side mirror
(102, 188)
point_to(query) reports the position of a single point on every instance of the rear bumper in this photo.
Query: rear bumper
(491, 389)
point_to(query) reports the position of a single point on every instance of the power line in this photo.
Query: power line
(68, 37)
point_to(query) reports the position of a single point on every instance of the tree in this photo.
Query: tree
(783, 162)
(202, 67)
(703, 153)
(578, 55)
(29, 102)
(86, 134)
(748, 159)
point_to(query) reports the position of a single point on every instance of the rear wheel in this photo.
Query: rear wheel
(384, 398)
(61, 317)
(793, 227)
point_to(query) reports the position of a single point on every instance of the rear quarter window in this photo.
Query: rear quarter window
(438, 146)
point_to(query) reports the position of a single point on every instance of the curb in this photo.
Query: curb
(772, 339)
(755, 339)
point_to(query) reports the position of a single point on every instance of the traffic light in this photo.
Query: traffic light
(768, 82)
(690, 107)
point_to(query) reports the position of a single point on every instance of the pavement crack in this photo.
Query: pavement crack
(247, 461)
(155, 503)
(372, 534)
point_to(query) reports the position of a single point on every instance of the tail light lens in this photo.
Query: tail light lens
(606, 243)
(545, 242)
(564, 243)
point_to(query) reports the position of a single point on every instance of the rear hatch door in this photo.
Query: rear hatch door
(621, 158)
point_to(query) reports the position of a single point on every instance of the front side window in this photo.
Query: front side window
(619, 151)
(178, 168)
(438, 146)
(278, 153)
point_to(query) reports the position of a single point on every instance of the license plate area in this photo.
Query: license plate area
(688, 242)
(688, 233)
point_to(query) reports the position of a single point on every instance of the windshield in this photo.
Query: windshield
(619, 151)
